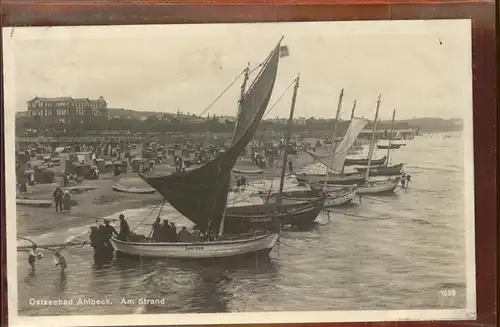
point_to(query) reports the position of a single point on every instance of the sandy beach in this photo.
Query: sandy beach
(101, 201)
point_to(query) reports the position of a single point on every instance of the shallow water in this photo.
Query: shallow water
(393, 252)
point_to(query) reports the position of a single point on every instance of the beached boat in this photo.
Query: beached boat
(364, 162)
(248, 171)
(340, 197)
(264, 216)
(392, 146)
(131, 189)
(222, 248)
(33, 202)
(378, 187)
(332, 179)
(394, 170)
(200, 194)
(296, 195)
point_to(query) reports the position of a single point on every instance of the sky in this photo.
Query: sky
(421, 68)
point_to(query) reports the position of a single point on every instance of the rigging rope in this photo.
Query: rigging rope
(161, 203)
(227, 88)
(222, 94)
(279, 99)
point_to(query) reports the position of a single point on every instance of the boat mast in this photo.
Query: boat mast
(372, 143)
(333, 146)
(242, 96)
(287, 142)
(350, 121)
(390, 137)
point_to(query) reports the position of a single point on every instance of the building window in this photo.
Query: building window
(62, 112)
(62, 120)
(80, 112)
(96, 113)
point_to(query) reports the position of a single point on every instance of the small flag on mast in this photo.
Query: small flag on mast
(284, 51)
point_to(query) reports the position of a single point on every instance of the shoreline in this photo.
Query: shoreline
(103, 201)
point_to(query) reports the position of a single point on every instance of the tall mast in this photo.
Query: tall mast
(287, 142)
(242, 95)
(372, 143)
(390, 137)
(350, 121)
(333, 146)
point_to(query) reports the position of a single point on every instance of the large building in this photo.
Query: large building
(68, 111)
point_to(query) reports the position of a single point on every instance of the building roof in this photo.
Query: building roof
(58, 99)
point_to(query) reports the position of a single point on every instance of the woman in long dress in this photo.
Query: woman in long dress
(67, 201)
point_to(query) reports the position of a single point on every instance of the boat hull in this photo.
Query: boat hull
(264, 216)
(248, 171)
(33, 203)
(395, 170)
(378, 188)
(335, 199)
(393, 146)
(332, 179)
(364, 162)
(198, 250)
(134, 190)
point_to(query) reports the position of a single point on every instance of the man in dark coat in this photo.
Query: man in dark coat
(124, 229)
(58, 199)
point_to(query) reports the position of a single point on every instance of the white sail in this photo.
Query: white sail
(355, 127)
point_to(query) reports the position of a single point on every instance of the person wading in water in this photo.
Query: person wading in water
(108, 231)
(60, 261)
(33, 256)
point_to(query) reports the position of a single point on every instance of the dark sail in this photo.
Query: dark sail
(201, 194)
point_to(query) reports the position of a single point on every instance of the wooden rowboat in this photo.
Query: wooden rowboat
(243, 245)
(395, 170)
(378, 187)
(135, 190)
(33, 202)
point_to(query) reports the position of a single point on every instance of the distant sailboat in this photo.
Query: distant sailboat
(376, 187)
(385, 169)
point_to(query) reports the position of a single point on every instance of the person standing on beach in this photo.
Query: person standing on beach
(67, 201)
(58, 198)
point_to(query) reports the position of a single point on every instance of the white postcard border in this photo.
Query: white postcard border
(224, 318)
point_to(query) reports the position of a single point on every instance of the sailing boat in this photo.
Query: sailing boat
(337, 158)
(297, 208)
(340, 195)
(376, 187)
(333, 197)
(201, 194)
(385, 170)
